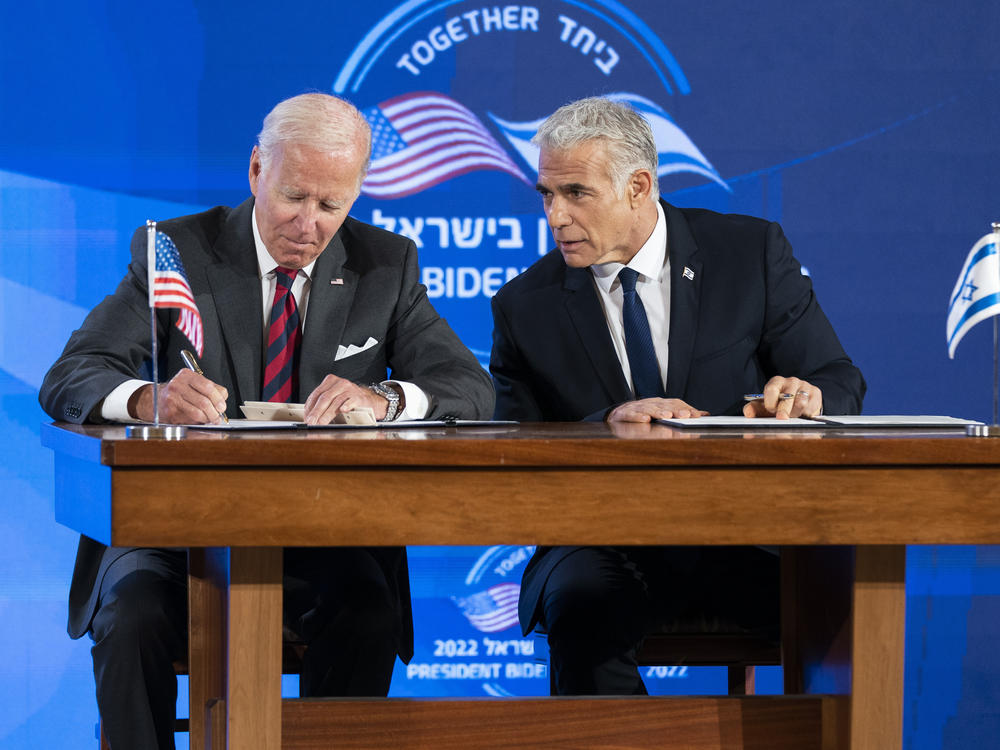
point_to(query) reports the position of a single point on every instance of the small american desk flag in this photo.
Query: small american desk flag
(170, 288)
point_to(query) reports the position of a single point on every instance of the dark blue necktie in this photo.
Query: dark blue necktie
(638, 341)
(281, 372)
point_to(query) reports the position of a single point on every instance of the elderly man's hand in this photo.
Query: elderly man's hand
(188, 398)
(801, 399)
(653, 408)
(335, 396)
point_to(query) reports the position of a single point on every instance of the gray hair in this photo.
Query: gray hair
(627, 136)
(320, 121)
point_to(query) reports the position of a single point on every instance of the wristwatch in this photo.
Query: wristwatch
(391, 395)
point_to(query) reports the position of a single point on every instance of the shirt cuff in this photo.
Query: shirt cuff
(115, 406)
(417, 403)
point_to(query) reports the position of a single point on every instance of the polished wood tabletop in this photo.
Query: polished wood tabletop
(509, 484)
(540, 444)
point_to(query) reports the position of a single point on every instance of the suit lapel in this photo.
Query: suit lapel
(235, 283)
(334, 285)
(685, 293)
(584, 309)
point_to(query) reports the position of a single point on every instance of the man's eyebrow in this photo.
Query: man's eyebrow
(565, 188)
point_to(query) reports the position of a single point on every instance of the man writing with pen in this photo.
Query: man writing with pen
(649, 311)
(299, 302)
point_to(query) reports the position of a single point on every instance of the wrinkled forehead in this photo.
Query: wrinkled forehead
(586, 163)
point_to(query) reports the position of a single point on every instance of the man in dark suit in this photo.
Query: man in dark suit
(289, 253)
(650, 311)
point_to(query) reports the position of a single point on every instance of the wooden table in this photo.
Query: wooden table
(236, 499)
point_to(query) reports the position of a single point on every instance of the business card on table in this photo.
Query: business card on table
(268, 411)
(364, 415)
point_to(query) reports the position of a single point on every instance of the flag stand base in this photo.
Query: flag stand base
(982, 430)
(160, 432)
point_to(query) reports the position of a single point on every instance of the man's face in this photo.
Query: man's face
(302, 198)
(590, 222)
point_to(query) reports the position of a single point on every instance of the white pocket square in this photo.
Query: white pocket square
(343, 352)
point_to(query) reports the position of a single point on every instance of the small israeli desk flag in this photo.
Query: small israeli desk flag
(977, 292)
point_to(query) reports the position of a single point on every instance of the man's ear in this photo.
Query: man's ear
(640, 187)
(255, 169)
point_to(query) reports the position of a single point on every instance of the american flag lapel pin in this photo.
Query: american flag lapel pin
(336, 282)
(688, 274)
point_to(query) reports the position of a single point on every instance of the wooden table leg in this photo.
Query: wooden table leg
(234, 649)
(208, 575)
(878, 632)
(253, 686)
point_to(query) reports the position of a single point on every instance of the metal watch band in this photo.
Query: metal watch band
(390, 395)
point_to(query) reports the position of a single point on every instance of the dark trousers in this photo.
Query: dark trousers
(337, 600)
(599, 603)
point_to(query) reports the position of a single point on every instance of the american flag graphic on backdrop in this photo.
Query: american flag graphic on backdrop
(492, 610)
(171, 289)
(424, 138)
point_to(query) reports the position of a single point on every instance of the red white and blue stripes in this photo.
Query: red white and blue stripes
(281, 373)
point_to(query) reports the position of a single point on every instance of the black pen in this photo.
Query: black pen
(192, 364)
(760, 396)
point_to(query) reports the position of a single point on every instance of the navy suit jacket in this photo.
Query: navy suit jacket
(742, 314)
(365, 284)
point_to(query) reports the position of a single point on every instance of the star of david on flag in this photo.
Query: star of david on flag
(170, 288)
(977, 292)
(492, 610)
(424, 138)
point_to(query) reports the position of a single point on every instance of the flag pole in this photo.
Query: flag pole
(995, 226)
(155, 431)
(151, 271)
(992, 430)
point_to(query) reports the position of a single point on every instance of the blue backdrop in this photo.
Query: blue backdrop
(868, 129)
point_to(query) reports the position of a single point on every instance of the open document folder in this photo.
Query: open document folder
(266, 415)
(866, 421)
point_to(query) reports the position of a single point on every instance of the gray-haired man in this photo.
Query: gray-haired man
(355, 289)
(650, 311)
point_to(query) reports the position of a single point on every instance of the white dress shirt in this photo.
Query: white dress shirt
(653, 286)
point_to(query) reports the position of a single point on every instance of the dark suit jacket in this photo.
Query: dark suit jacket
(380, 297)
(746, 315)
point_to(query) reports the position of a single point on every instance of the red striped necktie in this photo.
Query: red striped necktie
(281, 374)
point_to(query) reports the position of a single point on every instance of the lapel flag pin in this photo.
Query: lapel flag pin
(336, 282)
(688, 274)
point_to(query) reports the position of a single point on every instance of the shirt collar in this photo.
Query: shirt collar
(650, 261)
(265, 263)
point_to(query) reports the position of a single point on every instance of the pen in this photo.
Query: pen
(192, 364)
(760, 396)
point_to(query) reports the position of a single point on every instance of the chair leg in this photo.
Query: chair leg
(103, 739)
(742, 680)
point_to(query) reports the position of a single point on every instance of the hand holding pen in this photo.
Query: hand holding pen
(192, 364)
(784, 398)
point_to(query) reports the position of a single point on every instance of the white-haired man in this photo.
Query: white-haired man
(289, 258)
(650, 311)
